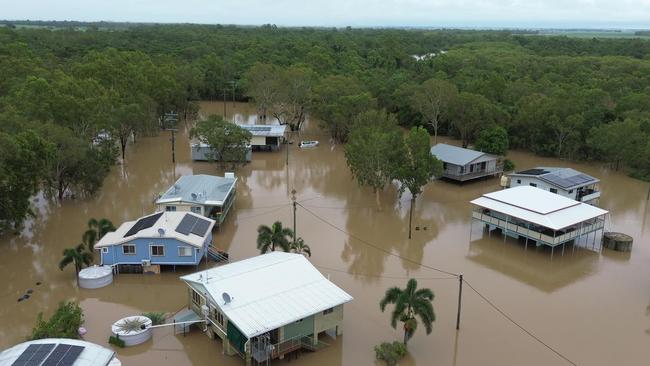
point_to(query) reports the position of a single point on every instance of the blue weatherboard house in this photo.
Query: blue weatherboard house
(162, 238)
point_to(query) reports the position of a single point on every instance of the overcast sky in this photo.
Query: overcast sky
(427, 13)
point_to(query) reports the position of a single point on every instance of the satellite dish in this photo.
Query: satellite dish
(226, 298)
(161, 231)
(193, 196)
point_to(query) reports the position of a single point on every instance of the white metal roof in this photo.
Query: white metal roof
(201, 189)
(539, 207)
(92, 354)
(269, 291)
(168, 221)
(457, 155)
(265, 130)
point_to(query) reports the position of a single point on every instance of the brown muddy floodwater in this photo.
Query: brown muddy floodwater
(592, 307)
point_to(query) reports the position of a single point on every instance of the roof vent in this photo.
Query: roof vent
(226, 298)
(193, 196)
(161, 231)
(229, 175)
(176, 188)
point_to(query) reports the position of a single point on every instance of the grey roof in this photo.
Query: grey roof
(91, 354)
(456, 155)
(265, 130)
(200, 189)
(565, 178)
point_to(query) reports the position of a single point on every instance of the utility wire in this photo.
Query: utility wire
(375, 246)
(519, 326)
(382, 276)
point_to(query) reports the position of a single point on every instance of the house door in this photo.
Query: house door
(471, 168)
(483, 165)
(275, 336)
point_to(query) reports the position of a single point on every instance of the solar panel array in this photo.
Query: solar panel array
(567, 181)
(535, 171)
(143, 223)
(34, 354)
(63, 355)
(192, 224)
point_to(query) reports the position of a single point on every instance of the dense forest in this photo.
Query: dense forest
(71, 98)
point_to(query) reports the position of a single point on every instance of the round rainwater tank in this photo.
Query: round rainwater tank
(95, 277)
(133, 330)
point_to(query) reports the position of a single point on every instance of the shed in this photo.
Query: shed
(462, 164)
(266, 137)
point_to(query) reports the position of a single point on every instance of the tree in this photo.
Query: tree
(410, 303)
(390, 353)
(293, 96)
(433, 99)
(619, 142)
(261, 83)
(64, 323)
(96, 230)
(227, 140)
(78, 256)
(416, 165)
(268, 238)
(493, 140)
(370, 151)
(300, 247)
(470, 111)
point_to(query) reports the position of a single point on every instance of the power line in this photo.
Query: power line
(274, 206)
(519, 326)
(382, 276)
(263, 213)
(375, 246)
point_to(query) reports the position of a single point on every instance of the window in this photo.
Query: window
(170, 208)
(328, 311)
(196, 209)
(128, 249)
(217, 316)
(518, 181)
(553, 190)
(184, 251)
(105, 250)
(196, 298)
(533, 184)
(571, 191)
(444, 166)
(157, 250)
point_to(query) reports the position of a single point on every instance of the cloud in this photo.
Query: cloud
(464, 13)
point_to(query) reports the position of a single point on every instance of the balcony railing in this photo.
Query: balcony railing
(475, 174)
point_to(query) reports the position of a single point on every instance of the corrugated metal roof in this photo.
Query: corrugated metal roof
(455, 155)
(201, 189)
(539, 207)
(269, 291)
(168, 221)
(92, 354)
(265, 130)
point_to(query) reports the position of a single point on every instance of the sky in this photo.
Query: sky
(339, 13)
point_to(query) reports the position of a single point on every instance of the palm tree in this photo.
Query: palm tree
(275, 236)
(96, 230)
(409, 303)
(79, 256)
(300, 247)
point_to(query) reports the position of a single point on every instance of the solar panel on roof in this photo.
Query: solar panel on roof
(143, 223)
(34, 354)
(186, 224)
(560, 182)
(533, 172)
(63, 355)
(200, 227)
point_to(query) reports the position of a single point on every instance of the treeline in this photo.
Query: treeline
(558, 96)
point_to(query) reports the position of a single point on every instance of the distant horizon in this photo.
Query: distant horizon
(377, 26)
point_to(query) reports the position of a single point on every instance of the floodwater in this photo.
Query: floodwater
(593, 308)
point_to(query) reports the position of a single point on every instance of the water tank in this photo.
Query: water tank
(95, 277)
(229, 175)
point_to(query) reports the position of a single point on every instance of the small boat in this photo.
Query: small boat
(304, 144)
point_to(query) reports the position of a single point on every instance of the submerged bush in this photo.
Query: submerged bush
(157, 318)
(390, 353)
(64, 323)
(116, 341)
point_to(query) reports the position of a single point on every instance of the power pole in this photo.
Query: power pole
(224, 103)
(293, 198)
(169, 123)
(460, 295)
(173, 147)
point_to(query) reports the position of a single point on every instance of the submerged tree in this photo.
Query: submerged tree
(416, 165)
(370, 151)
(268, 238)
(493, 140)
(410, 303)
(227, 140)
(64, 323)
(78, 256)
(299, 247)
(96, 230)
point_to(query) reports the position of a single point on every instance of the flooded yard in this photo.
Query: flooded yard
(593, 308)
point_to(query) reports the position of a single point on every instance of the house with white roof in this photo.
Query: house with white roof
(267, 306)
(534, 214)
(207, 195)
(567, 182)
(163, 238)
(266, 137)
(58, 351)
(462, 164)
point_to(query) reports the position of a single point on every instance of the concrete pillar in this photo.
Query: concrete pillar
(339, 330)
